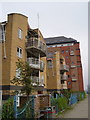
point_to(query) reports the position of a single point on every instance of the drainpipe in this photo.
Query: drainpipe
(4, 40)
(39, 67)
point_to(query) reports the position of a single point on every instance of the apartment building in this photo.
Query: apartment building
(70, 50)
(19, 41)
(56, 72)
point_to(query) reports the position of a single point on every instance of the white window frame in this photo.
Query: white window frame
(20, 33)
(18, 53)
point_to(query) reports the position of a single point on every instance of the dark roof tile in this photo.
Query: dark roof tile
(59, 40)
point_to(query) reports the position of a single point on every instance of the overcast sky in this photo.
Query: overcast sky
(69, 19)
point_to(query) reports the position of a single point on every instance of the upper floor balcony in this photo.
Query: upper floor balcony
(63, 86)
(64, 77)
(73, 66)
(74, 79)
(64, 68)
(71, 52)
(35, 63)
(36, 47)
(36, 81)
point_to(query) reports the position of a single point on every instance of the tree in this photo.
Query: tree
(23, 78)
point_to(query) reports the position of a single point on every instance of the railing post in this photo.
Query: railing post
(32, 105)
(15, 106)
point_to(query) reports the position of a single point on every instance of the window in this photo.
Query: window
(18, 73)
(68, 76)
(62, 51)
(66, 57)
(50, 64)
(73, 75)
(72, 62)
(20, 33)
(62, 81)
(19, 52)
(66, 51)
(18, 101)
(69, 83)
(42, 79)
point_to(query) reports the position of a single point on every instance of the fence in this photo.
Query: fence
(31, 107)
(39, 106)
(26, 110)
(61, 102)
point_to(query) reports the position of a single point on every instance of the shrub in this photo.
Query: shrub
(8, 109)
(61, 103)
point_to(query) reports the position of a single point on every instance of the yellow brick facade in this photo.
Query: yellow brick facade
(53, 73)
(15, 22)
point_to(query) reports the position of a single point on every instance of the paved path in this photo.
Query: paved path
(80, 110)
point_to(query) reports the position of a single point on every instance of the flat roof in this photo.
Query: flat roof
(59, 40)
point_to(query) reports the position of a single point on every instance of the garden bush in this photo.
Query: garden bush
(60, 103)
(8, 109)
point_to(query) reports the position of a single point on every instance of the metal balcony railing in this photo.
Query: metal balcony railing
(73, 66)
(35, 63)
(64, 68)
(64, 77)
(71, 52)
(37, 81)
(37, 44)
(64, 86)
(74, 79)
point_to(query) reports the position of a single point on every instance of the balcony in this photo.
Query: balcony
(71, 52)
(63, 86)
(74, 79)
(64, 77)
(64, 68)
(36, 81)
(35, 63)
(36, 47)
(73, 66)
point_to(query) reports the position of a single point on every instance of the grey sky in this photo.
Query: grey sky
(57, 19)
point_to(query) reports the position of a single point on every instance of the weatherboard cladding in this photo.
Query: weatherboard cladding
(59, 40)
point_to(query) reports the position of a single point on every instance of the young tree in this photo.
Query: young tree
(23, 78)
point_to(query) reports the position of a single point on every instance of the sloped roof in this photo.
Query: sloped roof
(59, 40)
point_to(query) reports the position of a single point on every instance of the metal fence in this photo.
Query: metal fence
(74, 98)
(26, 111)
(31, 107)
